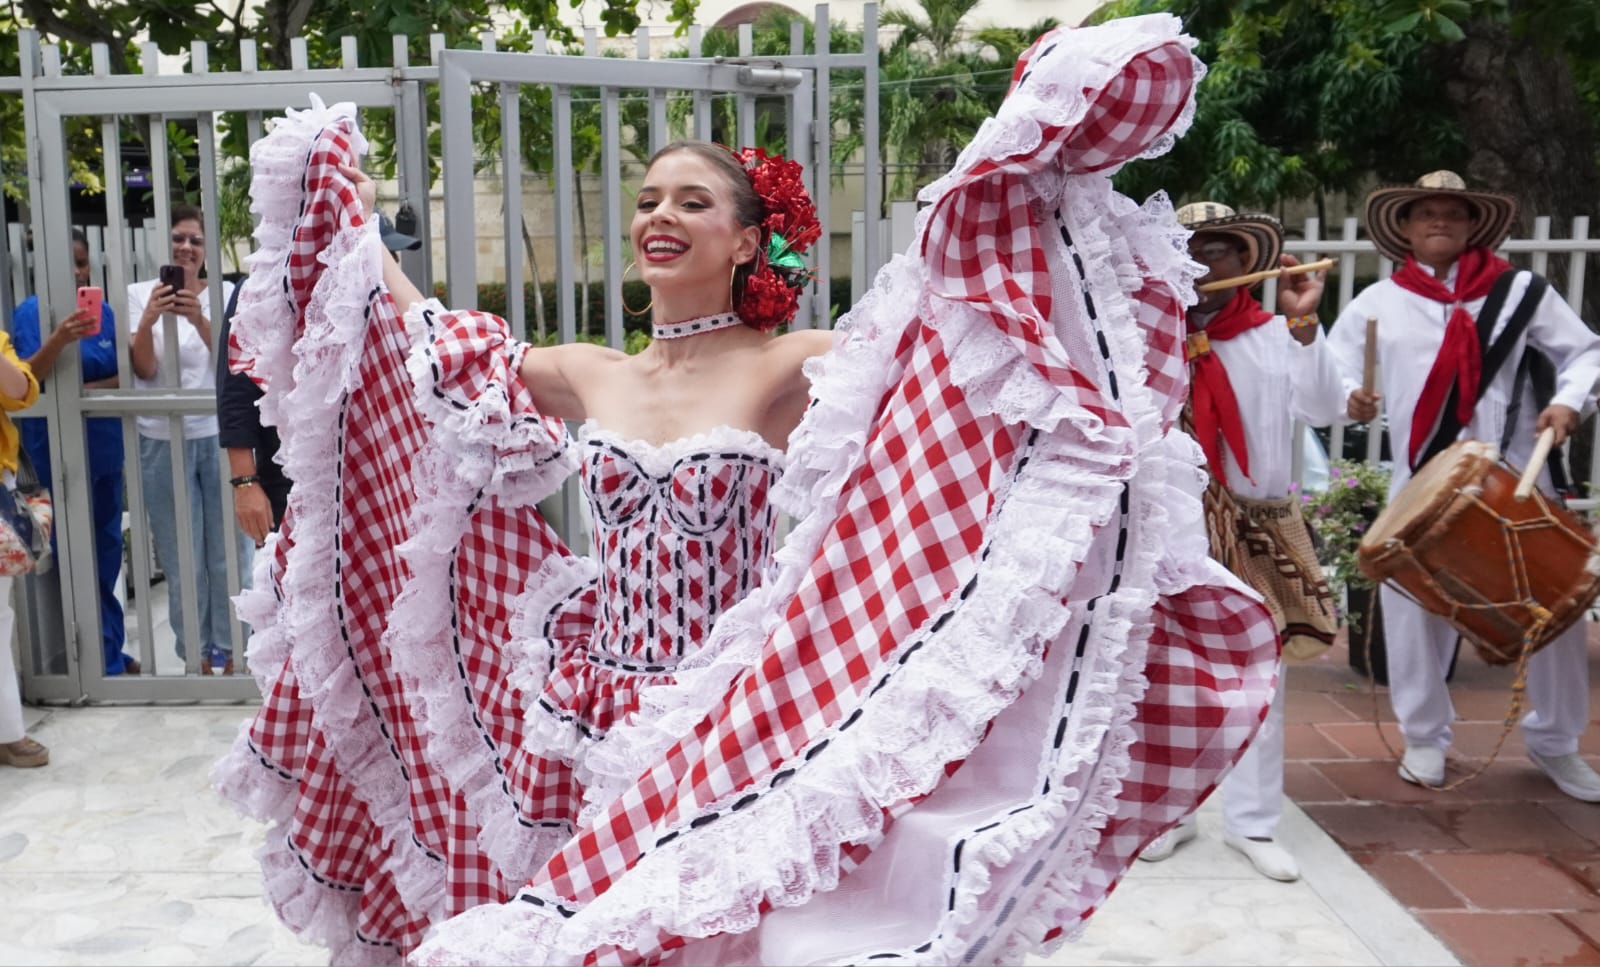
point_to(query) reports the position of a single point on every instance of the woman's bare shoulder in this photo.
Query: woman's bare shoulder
(799, 345)
(582, 354)
(573, 362)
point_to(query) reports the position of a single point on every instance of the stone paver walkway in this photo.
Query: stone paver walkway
(1505, 869)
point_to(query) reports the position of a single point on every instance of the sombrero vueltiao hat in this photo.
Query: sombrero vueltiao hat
(1261, 234)
(1496, 212)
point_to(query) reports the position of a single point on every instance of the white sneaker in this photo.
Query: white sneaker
(1423, 765)
(1571, 775)
(1269, 859)
(1164, 845)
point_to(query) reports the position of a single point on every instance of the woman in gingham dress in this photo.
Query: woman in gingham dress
(990, 662)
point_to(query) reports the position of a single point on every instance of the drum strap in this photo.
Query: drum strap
(1494, 356)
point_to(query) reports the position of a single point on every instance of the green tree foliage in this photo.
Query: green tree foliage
(173, 24)
(1306, 97)
(1296, 111)
(939, 78)
(83, 136)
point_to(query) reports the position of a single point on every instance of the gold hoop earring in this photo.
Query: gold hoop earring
(623, 294)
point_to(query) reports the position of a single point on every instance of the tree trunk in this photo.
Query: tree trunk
(538, 287)
(281, 21)
(77, 24)
(1528, 134)
(1526, 128)
(583, 255)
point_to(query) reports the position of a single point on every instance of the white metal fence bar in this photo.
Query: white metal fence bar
(871, 190)
(611, 232)
(822, 183)
(1354, 254)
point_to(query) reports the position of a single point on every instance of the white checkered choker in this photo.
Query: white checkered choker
(694, 327)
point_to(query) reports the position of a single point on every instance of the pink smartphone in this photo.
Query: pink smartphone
(90, 299)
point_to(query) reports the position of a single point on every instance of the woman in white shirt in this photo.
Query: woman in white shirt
(152, 306)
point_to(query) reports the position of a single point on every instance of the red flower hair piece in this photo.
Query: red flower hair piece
(771, 292)
(769, 301)
(790, 211)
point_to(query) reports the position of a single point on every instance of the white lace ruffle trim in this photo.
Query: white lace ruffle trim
(1077, 63)
(465, 367)
(478, 451)
(939, 705)
(306, 374)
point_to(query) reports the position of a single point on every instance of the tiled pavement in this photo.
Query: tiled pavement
(119, 853)
(1506, 869)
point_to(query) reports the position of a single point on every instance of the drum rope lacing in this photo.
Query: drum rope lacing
(1532, 637)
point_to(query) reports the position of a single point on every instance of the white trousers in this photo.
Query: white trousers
(1420, 645)
(11, 728)
(1252, 794)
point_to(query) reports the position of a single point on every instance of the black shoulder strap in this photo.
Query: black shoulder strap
(28, 481)
(1490, 313)
(1494, 356)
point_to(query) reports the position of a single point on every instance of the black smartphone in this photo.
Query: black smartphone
(172, 275)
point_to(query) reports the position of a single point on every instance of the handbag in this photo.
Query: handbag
(26, 516)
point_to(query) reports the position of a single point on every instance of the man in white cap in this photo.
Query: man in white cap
(1252, 374)
(1451, 297)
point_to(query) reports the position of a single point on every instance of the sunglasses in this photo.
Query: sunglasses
(198, 241)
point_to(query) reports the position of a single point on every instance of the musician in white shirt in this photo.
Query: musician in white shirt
(1252, 374)
(1444, 236)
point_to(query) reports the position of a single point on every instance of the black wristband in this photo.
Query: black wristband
(245, 481)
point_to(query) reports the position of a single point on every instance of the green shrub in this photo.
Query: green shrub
(1355, 496)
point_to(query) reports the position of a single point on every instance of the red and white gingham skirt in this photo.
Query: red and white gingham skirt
(993, 661)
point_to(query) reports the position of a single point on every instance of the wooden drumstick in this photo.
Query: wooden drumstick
(1541, 453)
(1369, 368)
(1252, 277)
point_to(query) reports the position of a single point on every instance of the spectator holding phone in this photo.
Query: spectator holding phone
(179, 298)
(94, 333)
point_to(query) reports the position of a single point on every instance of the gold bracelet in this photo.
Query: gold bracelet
(1300, 322)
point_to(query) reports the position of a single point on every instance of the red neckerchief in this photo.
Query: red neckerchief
(1216, 409)
(1460, 359)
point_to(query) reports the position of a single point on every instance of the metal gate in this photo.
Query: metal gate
(60, 610)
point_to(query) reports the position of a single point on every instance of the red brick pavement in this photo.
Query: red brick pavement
(1505, 869)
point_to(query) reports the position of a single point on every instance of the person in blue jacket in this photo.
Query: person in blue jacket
(102, 437)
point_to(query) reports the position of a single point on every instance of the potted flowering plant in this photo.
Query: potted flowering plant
(1340, 515)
